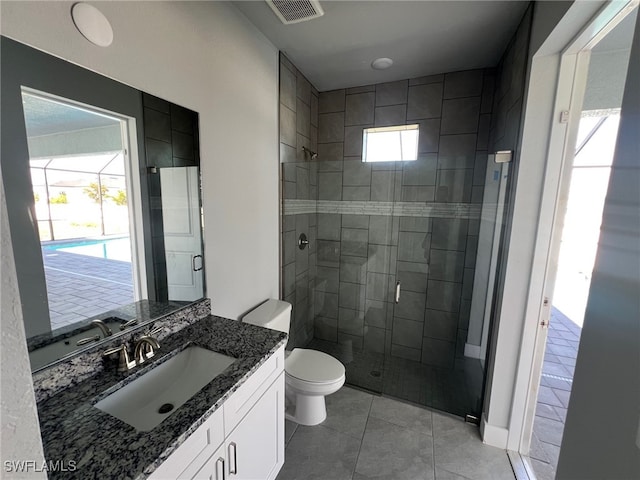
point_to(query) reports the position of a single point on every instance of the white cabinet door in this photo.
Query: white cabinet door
(255, 449)
(214, 468)
(198, 447)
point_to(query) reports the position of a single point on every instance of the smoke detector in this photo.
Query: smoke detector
(296, 11)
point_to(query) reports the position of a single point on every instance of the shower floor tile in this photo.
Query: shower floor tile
(453, 390)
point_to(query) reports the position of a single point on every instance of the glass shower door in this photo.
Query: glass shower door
(391, 279)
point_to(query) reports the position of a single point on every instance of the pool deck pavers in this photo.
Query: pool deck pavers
(559, 363)
(81, 286)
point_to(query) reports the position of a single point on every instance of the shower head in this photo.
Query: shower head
(311, 153)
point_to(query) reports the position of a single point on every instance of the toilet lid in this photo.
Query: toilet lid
(313, 366)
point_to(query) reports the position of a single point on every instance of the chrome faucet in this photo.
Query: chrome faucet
(145, 348)
(106, 331)
(124, 363)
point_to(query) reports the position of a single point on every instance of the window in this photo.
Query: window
(390, 144)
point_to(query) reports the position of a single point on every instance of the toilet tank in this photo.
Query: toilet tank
(273, 314)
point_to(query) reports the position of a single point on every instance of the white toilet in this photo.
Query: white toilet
(309, 375)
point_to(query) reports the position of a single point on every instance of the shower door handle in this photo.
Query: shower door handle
(397, 292)
(193, 263)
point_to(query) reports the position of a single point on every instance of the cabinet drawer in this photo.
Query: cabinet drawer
(243, 399)
(213, 469)
(188, 458)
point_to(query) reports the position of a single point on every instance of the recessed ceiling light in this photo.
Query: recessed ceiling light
(92, 24)
(381, 63)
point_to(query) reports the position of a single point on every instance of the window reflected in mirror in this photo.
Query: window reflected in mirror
(81, 191)
(390, 144)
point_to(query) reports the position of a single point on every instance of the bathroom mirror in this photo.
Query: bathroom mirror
(103, 194)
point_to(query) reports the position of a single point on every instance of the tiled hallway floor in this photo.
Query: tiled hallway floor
(553, 397)
(370, 437)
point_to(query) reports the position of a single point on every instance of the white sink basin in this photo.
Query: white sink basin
(148, 400)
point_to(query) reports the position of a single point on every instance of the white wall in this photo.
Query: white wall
(207, 57)
(20, 438)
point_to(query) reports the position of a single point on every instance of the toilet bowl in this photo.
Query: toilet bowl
(310, 375)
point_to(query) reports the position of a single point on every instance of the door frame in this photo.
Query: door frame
(136, 224)
(569, 93)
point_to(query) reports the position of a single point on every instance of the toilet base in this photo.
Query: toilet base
(306, 410)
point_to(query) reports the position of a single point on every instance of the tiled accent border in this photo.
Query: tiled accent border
(396, 209)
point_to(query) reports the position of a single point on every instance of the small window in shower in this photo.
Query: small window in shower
(390, 144)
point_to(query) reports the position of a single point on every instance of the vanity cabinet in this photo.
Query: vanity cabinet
(255, 449)
(243, 439)
(214, 469)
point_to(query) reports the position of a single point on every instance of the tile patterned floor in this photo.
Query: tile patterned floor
(553, 397)
(80, 286)
(370, 437)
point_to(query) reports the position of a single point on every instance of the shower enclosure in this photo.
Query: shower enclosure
(389, 264)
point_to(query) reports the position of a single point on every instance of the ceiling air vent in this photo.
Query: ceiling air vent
(294, 11)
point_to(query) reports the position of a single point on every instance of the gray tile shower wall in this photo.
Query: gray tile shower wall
(508, 105)
(299, 182)
(380, 223)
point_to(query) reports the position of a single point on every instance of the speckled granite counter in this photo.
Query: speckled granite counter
(103, 447)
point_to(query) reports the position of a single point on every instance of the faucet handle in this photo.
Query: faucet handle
(113, 350)
(130, 323)
(152, 332)
(124, 364)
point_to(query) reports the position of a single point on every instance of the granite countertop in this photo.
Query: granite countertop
(104, 447)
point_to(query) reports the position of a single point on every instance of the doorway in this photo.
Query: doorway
(82, 191)
(591, 140)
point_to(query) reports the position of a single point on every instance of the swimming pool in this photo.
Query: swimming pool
(117, 248)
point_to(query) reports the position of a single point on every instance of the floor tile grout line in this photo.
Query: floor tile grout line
(355, 465)
(433, 446)
(368, 415)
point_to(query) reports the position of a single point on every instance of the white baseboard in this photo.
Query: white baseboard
(492, 435)
(472, 351)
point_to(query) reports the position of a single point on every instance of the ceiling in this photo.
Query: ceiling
(47, 117)
(422, 37)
